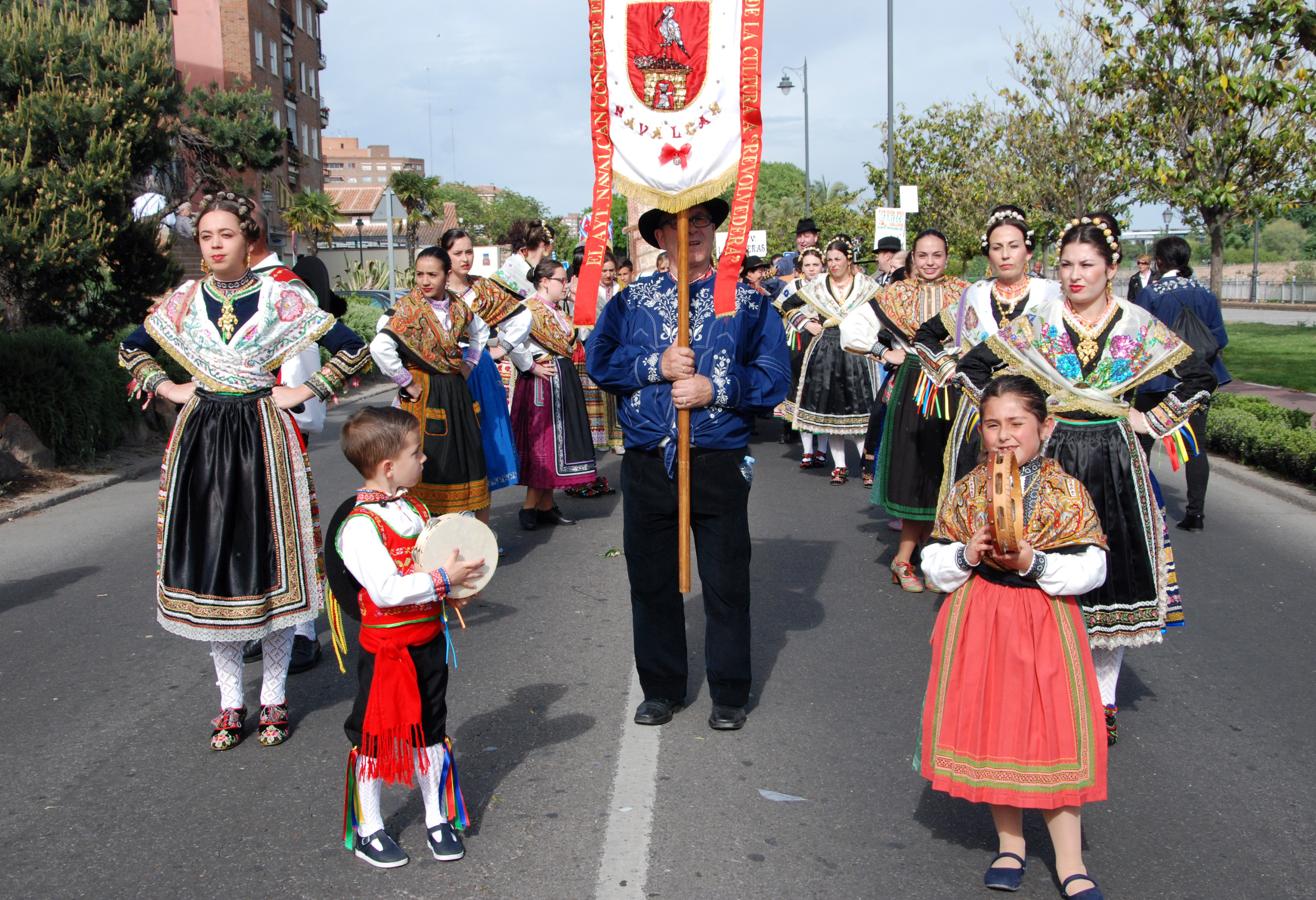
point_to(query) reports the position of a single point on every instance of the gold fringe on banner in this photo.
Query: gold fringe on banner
(672, 203)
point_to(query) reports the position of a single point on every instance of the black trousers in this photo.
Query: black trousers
(1197, 471)
(720, 515)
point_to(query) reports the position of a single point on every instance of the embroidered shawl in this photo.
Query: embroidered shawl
(492, 300)
(973, 319)
(287, 321)
(1137, 348)
(817, 295)
(549, 329)
(419, 332)
(1060, 512)
(905, 305)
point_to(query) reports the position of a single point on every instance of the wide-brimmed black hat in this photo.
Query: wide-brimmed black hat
(717, 210)
(889, 243)
(806, 225)
(751, 263)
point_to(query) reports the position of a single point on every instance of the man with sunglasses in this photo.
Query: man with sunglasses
(735, 367)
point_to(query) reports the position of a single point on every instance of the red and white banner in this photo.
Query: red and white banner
(675, 88)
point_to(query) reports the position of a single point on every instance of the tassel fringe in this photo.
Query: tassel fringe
(337, 634)
(450, 790)
(351, 804)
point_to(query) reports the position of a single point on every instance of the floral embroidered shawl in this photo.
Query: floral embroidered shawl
(287, 321)
(817, 295)
(1137, 348)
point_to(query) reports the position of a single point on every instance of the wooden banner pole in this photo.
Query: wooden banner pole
(683, 415)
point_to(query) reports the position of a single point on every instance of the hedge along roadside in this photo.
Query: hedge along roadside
(72, 394)
(1254, 431)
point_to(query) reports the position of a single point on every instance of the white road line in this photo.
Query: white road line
(625, 863)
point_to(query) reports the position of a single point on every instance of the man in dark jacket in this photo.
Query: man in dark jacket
(1175, 290)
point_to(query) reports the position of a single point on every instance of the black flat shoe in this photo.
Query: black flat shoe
(554, 517)
(727, 718)
(1192, 523)
(528, 518)
(656, 712)
(305, 655)
(1002, 878)
(1092, 893)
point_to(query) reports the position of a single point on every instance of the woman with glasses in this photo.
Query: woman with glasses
(549, 422)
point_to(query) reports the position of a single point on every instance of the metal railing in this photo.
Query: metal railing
(1240, 289)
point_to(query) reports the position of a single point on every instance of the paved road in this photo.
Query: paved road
(111, 792)
(1269, 316)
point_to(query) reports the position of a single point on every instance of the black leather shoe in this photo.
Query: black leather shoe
(727, 718)
(529, 519)
(305, 654)
(252, 651)
(1193, 523)
(554, 517)
(656, 711)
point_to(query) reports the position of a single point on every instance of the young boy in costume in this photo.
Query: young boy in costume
(397, 724)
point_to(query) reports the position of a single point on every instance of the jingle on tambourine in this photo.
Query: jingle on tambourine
(1005, 502)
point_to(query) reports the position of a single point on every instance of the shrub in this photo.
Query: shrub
(362, 318)
(72, 394)
(1255, 431)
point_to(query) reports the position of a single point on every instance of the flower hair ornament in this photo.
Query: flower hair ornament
(1111, 241)
(849, 246)
(1012, 217)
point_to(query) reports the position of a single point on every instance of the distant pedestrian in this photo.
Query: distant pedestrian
(1174, 294)
(1141, 278)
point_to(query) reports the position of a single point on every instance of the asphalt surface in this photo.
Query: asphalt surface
(111, 790)
(1269, 316)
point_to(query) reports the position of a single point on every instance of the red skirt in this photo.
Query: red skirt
(1012, 714)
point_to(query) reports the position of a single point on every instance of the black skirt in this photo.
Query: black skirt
(238, 537)
(909, 463)
(835, 392)
(1129, 608)
(454, 476)
(431, 678)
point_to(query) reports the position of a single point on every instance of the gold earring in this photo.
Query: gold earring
(205, 266)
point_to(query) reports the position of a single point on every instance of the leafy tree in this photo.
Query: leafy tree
(419, 196)
(1052, 127)
(956, 154)
(1284, 238)
(1213, 104)
(312, 215)
(85, 102)
(226, 133)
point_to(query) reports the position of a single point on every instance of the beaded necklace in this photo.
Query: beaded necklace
(1006, 297)
(1088, 348)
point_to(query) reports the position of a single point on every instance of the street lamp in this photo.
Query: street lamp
(785, 85)
(1166, 217)
(360, 228)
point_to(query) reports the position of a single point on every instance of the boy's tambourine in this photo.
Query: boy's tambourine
(469, 536)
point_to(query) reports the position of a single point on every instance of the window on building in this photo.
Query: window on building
(351, 181)
(315, 24)
(300, 23)
(278, 118)
(258, 39)
(301, 77)
(309, 16)
(397, 168)
(274, 57)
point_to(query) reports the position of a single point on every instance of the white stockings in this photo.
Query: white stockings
(1107, 663)
(368, 791)
(277, 652)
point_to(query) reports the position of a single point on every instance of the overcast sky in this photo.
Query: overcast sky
(511, 75)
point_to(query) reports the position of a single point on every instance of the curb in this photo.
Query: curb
(1267, 484)
(96, 483)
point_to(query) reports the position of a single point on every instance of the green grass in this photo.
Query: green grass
(1281, 355)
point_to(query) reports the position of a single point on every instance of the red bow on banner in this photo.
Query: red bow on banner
(670, 153)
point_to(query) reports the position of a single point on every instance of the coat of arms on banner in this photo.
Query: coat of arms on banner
(667, 46)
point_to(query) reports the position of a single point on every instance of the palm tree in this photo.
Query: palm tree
(419, 196)
(312, 215)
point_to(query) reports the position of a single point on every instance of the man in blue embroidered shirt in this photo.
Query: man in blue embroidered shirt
(735, 367)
